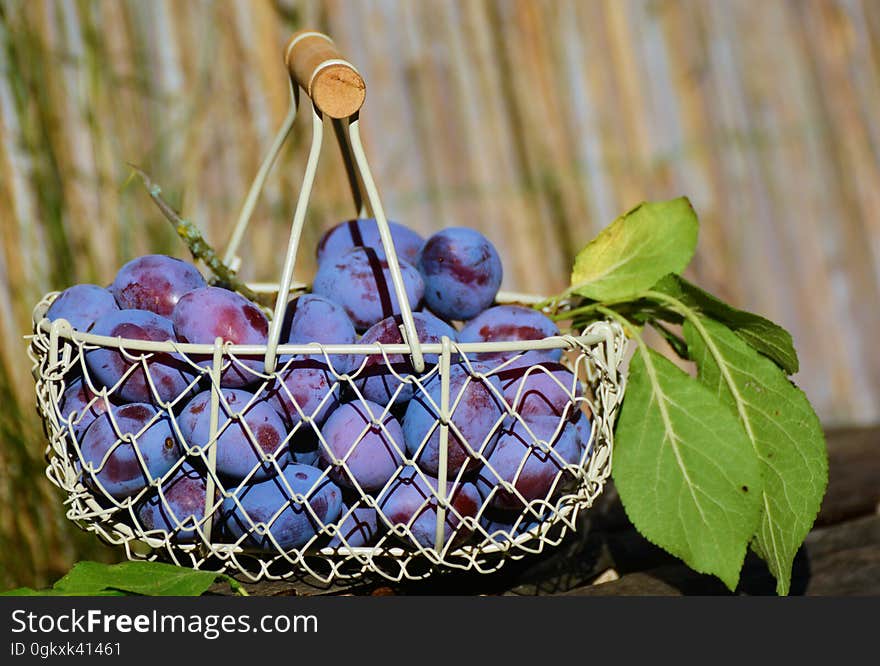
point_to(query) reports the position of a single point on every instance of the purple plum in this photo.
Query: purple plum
(369, 453)
(364, 232)
(80, 407)
(531, 464)
(462, 273)
(379, 382)
(179, 508)
(360, 281)
(154, 282)
(477, 409)
(167, 375)
(269, 513)
(239, 454)
(116, 461)
(312, 318)
(82, 305)
(202, 315)
(306, 386)
(546, 387)
(358, 527)
(508, 323)
(411, 500)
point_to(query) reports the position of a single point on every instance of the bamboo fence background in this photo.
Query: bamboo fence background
(536, 121)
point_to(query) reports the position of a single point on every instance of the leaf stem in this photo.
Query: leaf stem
(694, 320)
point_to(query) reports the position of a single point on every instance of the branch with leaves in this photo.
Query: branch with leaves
(707, 466)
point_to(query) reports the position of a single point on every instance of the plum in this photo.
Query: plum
(360, 281)
(379, 382)
(270, 513)
(364, 232)
(358, 527)
(82, 305)
(113, 462)
(155, 282)
(169, 373)
(545, 387)
(179, 507)
(306, 386)
(462, 273)
(313, 318)
(531, 466)
(238, 453)
(80, 406)
(369, 453)
(411, 500)
(506, 528)
(202, 315)
(476, 411)
(505, 323)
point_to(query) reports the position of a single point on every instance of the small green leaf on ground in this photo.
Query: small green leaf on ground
(783, 430)
(133, 577)
(686, 472)
(768, 338)
(636, 250)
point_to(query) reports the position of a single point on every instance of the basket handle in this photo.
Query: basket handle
(333, 83)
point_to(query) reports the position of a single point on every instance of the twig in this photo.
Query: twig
(197, 244)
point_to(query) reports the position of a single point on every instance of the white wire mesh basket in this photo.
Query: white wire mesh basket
(484, 481)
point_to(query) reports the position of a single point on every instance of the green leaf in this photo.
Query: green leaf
(134, 577)
(761, 334)
(783, 430)
(686, 472)
(636, 250)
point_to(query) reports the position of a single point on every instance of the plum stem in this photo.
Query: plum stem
(198, 246)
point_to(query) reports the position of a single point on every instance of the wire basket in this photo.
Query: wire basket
(304, 508)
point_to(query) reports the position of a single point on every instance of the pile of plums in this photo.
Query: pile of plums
(342, 447)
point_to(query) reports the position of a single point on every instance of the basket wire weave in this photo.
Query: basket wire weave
(398, 550)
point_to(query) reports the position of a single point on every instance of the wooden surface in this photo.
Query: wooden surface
(840, 556)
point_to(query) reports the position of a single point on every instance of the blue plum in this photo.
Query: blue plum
(528, 466)
(156, 377)
(360, 281)
(80, 407)
(306, 386)
(369, 453)
(82, 305)
(379, 382)
(202, 315)
(507, 323)
(273, 504)
(462, 273)
(116, 460)
(477, 409)
(502, 528)
(583, 431)
(238, 453)
(411, 500)
(180, 506)
(155, 282)
(364, 232)
(313, 318)
(545, 387)
(358, 527)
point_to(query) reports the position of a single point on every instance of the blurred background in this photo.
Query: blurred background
(535, 121)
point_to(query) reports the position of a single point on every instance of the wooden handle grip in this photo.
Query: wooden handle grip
(333, 83)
